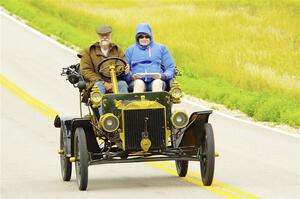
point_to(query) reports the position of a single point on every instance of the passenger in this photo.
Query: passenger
(146, 56)
(93, 55)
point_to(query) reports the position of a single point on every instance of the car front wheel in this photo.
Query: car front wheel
(207, 158)
(182, 167)
(81, 158)
(65, 164)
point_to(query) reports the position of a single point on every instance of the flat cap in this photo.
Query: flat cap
(104, 29)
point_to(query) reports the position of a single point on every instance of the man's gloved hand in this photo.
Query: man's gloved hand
(127, 69)
(107, 86)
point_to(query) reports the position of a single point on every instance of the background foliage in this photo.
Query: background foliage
(244, 54)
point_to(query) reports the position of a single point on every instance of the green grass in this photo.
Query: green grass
(244, 54)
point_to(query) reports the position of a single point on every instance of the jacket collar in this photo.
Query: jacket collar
(98, 48)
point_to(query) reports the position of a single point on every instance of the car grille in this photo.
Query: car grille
(135, 125)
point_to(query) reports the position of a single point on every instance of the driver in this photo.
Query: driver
(93, 55)
(146, 56)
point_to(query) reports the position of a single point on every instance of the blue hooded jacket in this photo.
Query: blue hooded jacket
(148, 59)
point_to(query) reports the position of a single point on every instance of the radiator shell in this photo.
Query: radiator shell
(134, 125)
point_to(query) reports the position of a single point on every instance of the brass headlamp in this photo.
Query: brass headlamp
(96, 97)
(176, 93)
(109, 122)
(179, 119)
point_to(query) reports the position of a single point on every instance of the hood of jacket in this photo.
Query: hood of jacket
(142, 29)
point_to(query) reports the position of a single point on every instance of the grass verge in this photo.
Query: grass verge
(225, 70)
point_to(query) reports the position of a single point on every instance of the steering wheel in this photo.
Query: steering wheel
(106, 63)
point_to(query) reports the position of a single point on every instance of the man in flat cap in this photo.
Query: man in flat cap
(93, 55)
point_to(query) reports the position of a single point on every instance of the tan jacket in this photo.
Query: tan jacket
(91, 57)
(89, 60)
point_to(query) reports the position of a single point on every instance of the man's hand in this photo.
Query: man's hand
(127, 69)
(107, 86)
(136, 76)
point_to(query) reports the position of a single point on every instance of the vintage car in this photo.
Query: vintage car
(132, 127)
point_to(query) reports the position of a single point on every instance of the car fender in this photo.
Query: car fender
(59, 119)
(86, 124)
(64, 122)
(192, 133)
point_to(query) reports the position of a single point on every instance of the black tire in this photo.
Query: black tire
(82, 158)
(182, 167)
(65, 164)
(207, 159)
(124, 155)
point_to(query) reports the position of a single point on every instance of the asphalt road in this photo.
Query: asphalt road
(254, 162)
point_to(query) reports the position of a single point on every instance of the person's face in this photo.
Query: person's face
(144, 39)
(104, 39)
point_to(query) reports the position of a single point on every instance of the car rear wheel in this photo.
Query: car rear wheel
(207, 158)
(81, 158)
(182, 167)
(65, 164)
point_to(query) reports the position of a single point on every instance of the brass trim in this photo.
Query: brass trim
(119, 104)
(166, 130)
(145, 104)
(72, 159)
(145, 144)
(104, 102)
(113, 78)
(122, 132)
(61, 152)
(168, 134)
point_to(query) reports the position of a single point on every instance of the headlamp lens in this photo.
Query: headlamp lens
(179, 119)
(109, 122)
(96, 97)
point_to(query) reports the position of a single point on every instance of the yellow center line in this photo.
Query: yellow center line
(195, 181)
(222, 185)
(48, 111)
